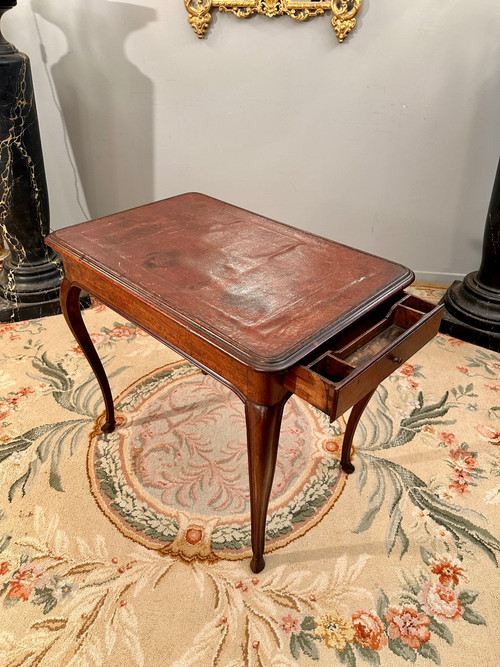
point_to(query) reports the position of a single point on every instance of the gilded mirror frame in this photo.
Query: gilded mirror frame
(343, 11)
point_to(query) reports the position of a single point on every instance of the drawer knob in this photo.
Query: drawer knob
(397, 360)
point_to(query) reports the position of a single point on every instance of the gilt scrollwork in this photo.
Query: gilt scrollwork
(344, 16)
(343, 20)
(199, 16)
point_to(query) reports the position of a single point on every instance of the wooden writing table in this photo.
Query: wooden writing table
(265, 308)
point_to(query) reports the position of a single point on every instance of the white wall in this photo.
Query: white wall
(388, 142)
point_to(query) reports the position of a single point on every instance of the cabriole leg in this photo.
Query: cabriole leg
(354, 417)
(263, 430)
(70, 304)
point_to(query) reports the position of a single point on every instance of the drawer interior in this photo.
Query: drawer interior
(365, 353)
(357, 346)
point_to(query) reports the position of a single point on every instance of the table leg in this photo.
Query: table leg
(354, 417)
(263, 430)
(70, 305)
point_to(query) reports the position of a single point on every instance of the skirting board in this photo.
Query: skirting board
(441, 278)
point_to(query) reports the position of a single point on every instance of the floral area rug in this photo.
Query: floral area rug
(132, 548)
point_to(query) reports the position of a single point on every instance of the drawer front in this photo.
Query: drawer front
(351, 368)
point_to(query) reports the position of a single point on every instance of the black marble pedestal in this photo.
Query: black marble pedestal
(31, 274)
(473, 305)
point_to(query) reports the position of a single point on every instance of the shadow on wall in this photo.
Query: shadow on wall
(106, 101)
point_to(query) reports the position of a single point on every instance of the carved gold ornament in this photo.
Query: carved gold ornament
(343, 11)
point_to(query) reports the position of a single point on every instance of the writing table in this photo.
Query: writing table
(267, 309)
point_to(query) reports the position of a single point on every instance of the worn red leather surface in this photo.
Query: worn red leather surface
(263, 287)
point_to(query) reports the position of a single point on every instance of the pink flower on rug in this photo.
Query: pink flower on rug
(4, 567)
(440, 601)
(141, 332)
(289, 624)
(463, 459)
(4, 410)
(97, 306)
(24, 391)
(448, 438)
(456, 342)
(406, 370)
(409, 625)
(449, 570)
(461, 474)
(122, 332)
(99, 338)
(493, 387)
(462, 369)
(460, 486)
(24, 581)
(369, 630)
(5, 328)
(489, 433)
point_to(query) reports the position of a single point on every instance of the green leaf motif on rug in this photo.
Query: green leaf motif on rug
(57, 439)
(402, 650)
(45, 598)
(368, 655)
(441, 630)
(303, 642)
(347, 657)
(392, 479)
(430, 652)
(473, 617)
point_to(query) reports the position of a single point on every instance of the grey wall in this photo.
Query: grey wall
(388, 142)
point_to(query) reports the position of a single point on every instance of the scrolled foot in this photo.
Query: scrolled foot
(348, 468)
(257, 564)
(108, 427)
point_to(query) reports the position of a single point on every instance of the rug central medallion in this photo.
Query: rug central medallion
(174, 477)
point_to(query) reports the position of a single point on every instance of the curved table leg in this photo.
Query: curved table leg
(70, 305)
(263, 430)
(354, 417)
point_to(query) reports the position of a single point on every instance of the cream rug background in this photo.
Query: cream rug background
(396, 565)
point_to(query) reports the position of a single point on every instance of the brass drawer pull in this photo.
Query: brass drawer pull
(397, 360)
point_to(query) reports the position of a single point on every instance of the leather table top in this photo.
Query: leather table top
(265, 292)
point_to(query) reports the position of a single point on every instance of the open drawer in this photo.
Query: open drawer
(354, 362)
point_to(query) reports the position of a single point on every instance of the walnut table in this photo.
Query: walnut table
(267, 309)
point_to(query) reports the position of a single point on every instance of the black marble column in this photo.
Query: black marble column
(32, 272)
(473, 305)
